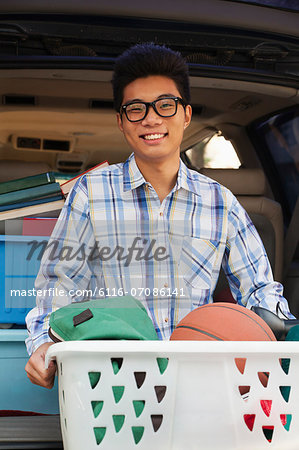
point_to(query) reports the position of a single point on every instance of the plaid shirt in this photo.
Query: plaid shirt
(114, 237)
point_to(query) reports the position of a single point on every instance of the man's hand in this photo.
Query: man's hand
(35, 367)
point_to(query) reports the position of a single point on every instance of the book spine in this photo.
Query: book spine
(37, 201)
(29, 194)
(67, 186)
(30, 210)
(27, 182)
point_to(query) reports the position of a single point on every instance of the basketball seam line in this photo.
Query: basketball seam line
(241, 312)
(201, 331)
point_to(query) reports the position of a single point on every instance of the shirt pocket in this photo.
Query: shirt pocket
(197, 263)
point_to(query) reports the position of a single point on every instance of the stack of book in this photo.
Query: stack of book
(35, 194)
(28, 194)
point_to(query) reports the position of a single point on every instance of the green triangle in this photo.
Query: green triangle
(137, 433)
(118, 422)
(115, 367)
(288, 423)
(285, 392)
(97, 406)
(162, 363)
(285, 364)
(99, 433)
(94, 378)
(118, 392)
(138, 407)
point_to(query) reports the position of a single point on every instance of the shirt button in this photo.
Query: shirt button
(166, 320)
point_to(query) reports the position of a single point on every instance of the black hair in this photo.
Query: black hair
(143, 60)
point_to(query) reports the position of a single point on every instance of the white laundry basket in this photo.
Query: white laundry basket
(115, 395)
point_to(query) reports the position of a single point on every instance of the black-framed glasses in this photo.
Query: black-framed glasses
(164, 107)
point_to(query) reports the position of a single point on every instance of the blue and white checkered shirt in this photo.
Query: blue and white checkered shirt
(114, 237)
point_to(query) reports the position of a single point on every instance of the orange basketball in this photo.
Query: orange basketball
(222, 322)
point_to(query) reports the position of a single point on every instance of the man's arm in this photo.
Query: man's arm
(247, 266)
(59, 279)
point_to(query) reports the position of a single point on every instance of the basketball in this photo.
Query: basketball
(222, 322)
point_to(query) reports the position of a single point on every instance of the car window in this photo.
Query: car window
(214, 152)
(278, 137)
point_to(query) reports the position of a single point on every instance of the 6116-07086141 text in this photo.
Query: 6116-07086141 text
(100, 292)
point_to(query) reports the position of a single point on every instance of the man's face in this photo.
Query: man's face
(154, 138)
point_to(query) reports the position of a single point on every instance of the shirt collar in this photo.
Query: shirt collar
(186, 180)
(133, 178)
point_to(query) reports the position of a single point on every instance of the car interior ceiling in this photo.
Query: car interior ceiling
(77, 105)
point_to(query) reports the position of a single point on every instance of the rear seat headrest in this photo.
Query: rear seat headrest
(13, 169)
(239, 181)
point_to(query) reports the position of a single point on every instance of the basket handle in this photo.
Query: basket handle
(50, 355)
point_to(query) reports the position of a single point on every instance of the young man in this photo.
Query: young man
(161, 231)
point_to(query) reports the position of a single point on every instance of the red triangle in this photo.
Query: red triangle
(249, 420)
(266, 406)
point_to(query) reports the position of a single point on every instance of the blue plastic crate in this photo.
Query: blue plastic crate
(18, 270)
(16, 391)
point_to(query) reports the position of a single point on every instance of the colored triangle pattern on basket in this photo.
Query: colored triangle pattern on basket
(266, 404)
(139, 408)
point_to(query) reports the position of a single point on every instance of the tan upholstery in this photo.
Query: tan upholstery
(13, 169)
(249, 186)
(239, 181)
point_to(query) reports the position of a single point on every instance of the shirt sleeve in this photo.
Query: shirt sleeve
(65, 274)
(247, 267)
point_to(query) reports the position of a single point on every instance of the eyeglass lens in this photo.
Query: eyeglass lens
(165, 107)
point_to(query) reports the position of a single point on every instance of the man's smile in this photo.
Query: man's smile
(153, 136)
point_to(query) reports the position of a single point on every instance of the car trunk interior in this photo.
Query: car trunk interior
(56, 108)
(73, 111)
